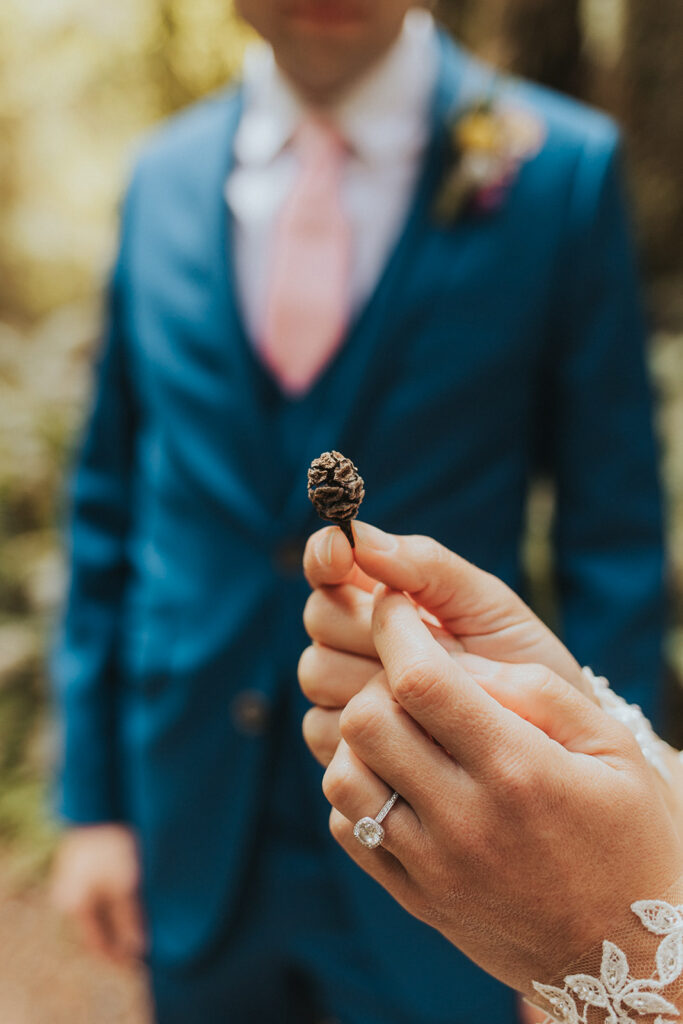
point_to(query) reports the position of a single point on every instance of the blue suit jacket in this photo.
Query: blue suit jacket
(488, 345)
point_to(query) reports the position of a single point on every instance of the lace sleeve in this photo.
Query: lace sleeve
(638, 975)
(646, 985)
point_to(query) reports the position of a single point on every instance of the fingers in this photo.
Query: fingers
(547, 701)
(436, 691)
(127, 928)
(378, 863)
(329, 559)
(357, 792)
(341, 617)
(343, 656)
(453, 589)
(321, 733)
(475, 606)
(398, 751)
(112, 927)
(330, 677)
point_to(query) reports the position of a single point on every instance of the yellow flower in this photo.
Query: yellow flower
(480, 130)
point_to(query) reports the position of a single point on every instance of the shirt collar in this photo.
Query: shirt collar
(382, 118)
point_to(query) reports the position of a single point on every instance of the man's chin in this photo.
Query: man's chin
(326, 20)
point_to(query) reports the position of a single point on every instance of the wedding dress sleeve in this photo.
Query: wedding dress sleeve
(636, 974)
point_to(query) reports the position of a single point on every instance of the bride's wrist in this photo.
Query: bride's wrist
(634, 974)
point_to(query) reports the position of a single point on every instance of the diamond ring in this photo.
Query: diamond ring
(369, 831)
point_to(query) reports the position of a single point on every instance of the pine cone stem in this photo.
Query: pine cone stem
(346, 529)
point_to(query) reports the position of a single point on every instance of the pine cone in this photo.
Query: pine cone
(336, 489)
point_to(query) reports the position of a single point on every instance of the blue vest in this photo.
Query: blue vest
(490, 347)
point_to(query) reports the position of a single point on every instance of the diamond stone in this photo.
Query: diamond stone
(368, 833)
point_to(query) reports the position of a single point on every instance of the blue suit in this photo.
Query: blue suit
(490, 348)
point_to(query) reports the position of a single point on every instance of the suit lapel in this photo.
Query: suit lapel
(246, 401)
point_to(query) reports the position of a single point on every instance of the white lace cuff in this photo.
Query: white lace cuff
(613, 994)
(607, 986)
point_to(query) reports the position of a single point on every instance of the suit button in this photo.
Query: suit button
(250, 712)
(289, 557)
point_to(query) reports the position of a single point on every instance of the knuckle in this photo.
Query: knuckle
(417, 682)
(338, 785)
(361, 719)
(541, 680)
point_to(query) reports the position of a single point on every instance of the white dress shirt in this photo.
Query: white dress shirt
(384, 120)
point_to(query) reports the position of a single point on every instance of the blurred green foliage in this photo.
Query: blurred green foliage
(80, 83)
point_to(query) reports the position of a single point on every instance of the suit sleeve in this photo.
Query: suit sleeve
(84, 662)
(608, 531)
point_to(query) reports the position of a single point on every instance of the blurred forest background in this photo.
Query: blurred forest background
(80, 82)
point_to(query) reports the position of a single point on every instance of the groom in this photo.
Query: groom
(371, 245)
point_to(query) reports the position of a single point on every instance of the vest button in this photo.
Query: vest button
(250, 711)
(289, 557)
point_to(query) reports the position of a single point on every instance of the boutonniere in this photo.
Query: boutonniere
(488, 144)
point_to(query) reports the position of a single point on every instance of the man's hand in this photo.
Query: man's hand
(95, 882)
(466, 610)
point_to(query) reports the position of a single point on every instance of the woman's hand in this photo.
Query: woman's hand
(530, 825)
(475, 613)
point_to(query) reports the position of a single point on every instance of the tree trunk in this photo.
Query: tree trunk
(534, 38)
(652, 86)
(480, 25)
(546, 41)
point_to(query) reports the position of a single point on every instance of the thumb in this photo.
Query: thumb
(476, 607)
(467, 600)
(328, 560)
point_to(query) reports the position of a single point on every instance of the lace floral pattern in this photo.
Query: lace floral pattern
(615, 993)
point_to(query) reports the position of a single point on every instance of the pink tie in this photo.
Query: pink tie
(308, 295)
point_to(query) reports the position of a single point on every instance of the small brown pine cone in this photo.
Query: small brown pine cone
(336, 489)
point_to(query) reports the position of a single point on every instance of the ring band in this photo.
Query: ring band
(369, 831)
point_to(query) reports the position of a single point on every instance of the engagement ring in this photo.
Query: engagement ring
(369, 831)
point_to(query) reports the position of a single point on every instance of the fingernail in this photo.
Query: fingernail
(371, 537)
(326, 550)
